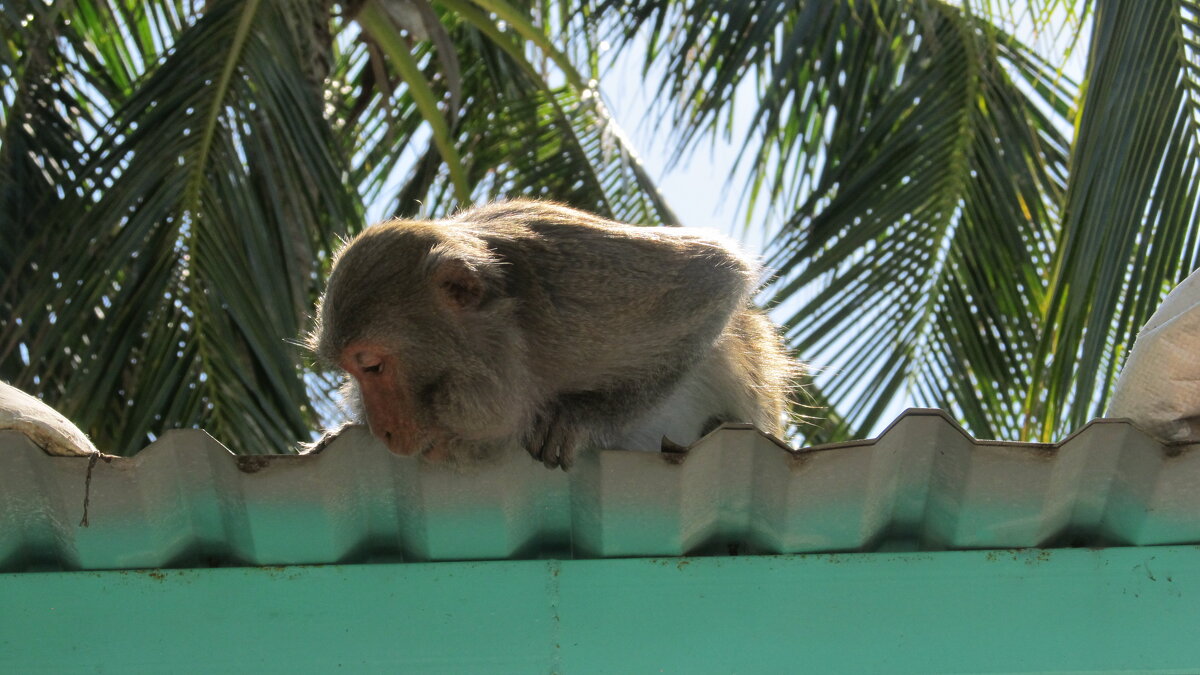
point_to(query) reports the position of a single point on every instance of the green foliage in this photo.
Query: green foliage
(1129, 218)
(947, 239)
(175, 174)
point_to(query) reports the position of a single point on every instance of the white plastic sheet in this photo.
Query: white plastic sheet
(1159, 387)
(48, 429)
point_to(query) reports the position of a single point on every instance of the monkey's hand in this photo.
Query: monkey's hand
(323, 442)
(552, 439)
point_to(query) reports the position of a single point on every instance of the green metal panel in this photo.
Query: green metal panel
(1111, 610)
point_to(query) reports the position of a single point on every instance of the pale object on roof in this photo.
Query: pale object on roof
(44, 425)
(1159, 387)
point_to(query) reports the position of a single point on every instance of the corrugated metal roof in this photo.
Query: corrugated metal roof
(924, 484)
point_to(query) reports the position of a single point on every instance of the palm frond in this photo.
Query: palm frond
(48, 114)
(919, 150)
(195, 255)
(915, 253)
(515, 134)
(1129, 218)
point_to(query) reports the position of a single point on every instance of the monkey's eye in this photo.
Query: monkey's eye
(363, 362)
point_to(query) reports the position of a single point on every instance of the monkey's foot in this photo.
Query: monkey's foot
(552, 441)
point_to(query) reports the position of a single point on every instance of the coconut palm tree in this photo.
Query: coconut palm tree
(174, 175)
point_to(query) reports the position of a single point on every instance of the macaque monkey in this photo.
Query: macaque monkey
(533, 324)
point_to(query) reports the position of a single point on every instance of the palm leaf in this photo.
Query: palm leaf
(47, 114)
(918, 149)
(1129, 217)
(516, 134)
(221, 181)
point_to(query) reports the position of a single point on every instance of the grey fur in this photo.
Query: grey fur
(580, 332)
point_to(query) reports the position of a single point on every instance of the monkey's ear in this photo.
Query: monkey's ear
(458, 285)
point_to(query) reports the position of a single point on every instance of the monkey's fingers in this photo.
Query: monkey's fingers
(552, 442)
(560, 447)
(534, 440)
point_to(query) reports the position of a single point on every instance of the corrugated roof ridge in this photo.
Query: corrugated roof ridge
(922, 484)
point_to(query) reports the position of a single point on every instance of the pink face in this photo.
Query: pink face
(444, 290)
(388, 403)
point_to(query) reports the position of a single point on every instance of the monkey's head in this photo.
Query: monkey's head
(417, 314)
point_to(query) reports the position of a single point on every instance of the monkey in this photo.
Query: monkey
(533, 324)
